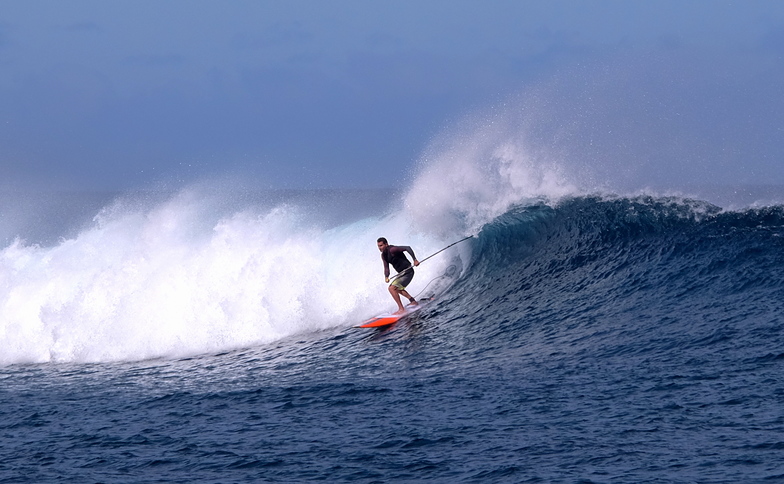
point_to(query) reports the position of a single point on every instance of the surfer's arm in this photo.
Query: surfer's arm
(386, 268)
(410, 251)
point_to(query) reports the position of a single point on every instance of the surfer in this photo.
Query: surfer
(396, 255)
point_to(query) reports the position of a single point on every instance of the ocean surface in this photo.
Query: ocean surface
(576, 338)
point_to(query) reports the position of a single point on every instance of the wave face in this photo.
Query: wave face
(603, 277)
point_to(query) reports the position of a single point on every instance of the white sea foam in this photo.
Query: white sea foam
(171, 281)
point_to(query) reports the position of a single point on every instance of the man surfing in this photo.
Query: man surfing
(396, 255)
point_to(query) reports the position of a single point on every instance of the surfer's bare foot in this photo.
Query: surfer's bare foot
(413, 302)
(399, 311)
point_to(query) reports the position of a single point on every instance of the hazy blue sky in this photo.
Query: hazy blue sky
(121, 94)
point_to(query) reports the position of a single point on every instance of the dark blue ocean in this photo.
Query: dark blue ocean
(590, 339)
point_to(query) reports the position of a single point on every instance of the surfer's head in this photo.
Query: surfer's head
(382, 243)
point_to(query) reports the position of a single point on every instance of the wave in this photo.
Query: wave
(181, 278)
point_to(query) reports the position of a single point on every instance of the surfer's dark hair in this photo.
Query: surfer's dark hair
(382, 239)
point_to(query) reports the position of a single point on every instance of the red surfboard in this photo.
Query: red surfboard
(387, 319)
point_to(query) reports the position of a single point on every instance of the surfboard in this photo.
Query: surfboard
(389, 318)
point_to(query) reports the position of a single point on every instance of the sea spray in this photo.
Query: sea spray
(470, 176)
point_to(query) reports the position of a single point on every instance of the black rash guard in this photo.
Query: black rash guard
(395, 255)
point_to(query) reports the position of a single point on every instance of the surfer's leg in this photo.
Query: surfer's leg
(401, 283)
(396, 296)
(411, 300)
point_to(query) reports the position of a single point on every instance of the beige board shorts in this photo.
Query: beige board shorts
(403, 281)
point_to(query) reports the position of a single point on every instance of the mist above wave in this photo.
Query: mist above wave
(662, 124)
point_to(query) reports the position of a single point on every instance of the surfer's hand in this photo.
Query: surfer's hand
(416, 262)
(386, 279)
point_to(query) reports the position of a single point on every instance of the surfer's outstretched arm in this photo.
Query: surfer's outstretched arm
(408, 249)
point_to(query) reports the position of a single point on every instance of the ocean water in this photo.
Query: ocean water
(206, 335)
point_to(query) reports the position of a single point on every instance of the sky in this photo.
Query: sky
(120, 95)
